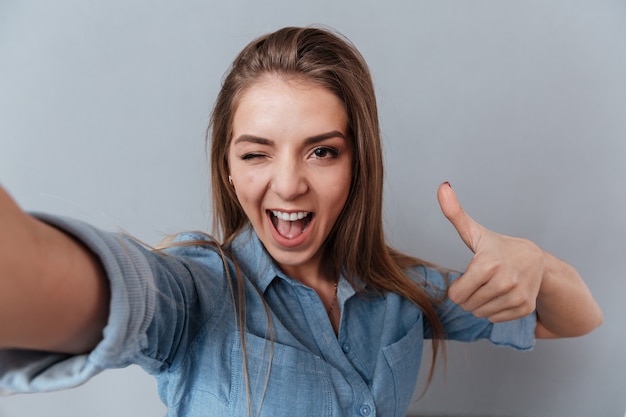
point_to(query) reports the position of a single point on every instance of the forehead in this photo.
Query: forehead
(279, 106)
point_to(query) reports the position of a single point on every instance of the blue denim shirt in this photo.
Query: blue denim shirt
(174, 316)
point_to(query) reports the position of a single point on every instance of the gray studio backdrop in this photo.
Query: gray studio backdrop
(520, 105)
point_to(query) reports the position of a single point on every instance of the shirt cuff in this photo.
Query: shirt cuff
(518, 334)
(130, 279)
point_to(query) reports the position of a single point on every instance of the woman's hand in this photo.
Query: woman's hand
(508, 278)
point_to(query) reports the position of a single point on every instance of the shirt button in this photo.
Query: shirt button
(346, 347)
(365, 410)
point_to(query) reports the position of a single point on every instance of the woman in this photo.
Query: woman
(302, 309)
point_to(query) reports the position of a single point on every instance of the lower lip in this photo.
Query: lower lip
(286, 242)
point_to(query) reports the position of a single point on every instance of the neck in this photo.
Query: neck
(310, 274)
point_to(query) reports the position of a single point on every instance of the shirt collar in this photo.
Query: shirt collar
(257, 264)
(253, 259)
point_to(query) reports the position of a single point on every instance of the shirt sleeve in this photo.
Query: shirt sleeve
(461, 325)
(144, 284)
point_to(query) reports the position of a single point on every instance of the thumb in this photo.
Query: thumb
(469, 230)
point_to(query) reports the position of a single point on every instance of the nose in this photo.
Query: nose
(289, 180)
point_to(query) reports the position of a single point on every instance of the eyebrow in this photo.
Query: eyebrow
(308, 141)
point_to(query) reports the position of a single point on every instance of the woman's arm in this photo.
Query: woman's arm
(508, 278)
(53, 293)
(565, 306)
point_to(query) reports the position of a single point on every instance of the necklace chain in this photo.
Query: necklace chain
(332, 305)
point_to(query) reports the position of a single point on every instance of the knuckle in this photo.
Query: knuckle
(519, 300)
(464, 306)
(506, 284)
(453, 294)
(525, 309)
(479, 314)
(529, 307)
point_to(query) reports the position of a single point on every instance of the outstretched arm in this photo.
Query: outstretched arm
(508, 278)
(53, 293)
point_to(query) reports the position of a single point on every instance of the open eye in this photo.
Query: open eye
(323, 152)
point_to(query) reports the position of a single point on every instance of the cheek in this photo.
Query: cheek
(338, 189)
(249, 191)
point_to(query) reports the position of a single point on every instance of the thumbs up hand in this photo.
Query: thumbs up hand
(503, 279)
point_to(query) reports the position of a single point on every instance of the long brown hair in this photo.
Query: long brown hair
(356, 245)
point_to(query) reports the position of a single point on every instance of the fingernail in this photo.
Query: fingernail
(448, 184)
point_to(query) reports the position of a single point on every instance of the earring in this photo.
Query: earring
(230, 180)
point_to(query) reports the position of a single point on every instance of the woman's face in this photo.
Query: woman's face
(290, 160)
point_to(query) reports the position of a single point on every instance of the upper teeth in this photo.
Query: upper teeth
(290, 216)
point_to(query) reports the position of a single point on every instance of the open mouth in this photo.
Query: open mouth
(290, 225)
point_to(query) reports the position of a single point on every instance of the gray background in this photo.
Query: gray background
(521, 105)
